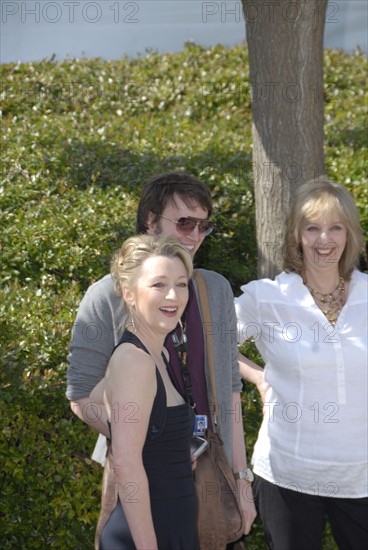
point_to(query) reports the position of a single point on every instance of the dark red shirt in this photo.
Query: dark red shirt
(195, 357)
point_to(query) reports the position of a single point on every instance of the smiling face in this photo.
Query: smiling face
(160, 295)
(323, 241)
(175, 210)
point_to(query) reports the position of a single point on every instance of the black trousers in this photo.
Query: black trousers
(295, 521)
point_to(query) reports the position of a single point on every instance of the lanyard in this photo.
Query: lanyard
(181, 347)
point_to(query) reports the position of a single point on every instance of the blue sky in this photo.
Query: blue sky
(32, 30)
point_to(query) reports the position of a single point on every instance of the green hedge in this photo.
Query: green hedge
(79, 139)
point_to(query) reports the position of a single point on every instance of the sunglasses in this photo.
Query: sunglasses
(188, 224)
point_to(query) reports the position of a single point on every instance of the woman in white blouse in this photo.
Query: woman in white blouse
(310, 326)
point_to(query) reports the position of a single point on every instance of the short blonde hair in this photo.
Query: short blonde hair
(127, 261)
(311, 200)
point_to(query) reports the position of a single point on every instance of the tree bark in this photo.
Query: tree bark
(285, 42)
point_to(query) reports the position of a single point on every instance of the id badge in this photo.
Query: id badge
(200, 424)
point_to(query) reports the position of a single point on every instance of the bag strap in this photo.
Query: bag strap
(207, 322)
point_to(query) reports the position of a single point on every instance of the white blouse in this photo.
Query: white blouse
(313, 436)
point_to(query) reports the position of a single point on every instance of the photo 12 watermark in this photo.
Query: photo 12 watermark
(269, 92)
(71, 12)
(257, 12)
(292, 412)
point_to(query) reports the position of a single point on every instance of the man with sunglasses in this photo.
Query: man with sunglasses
(179, 206)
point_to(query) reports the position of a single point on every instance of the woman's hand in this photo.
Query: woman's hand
(253, 373)
(263, 387)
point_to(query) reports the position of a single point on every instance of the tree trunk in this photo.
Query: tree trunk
(285, 42)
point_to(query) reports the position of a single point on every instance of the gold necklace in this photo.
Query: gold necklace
(331, 303)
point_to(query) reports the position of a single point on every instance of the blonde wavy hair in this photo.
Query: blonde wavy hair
(126, 263)
(311, 200)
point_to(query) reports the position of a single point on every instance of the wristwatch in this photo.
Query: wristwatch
(245, 474)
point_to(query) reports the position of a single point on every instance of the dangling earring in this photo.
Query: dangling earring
(132, 326)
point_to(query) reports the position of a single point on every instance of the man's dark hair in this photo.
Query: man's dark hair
(159, 191)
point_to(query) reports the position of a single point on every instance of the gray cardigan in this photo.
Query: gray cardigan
(98, 328)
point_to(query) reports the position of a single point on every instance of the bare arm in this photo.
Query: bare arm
(240, 463)
(92, 414)
(92, 409)
(130, 389)
(253, 373)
